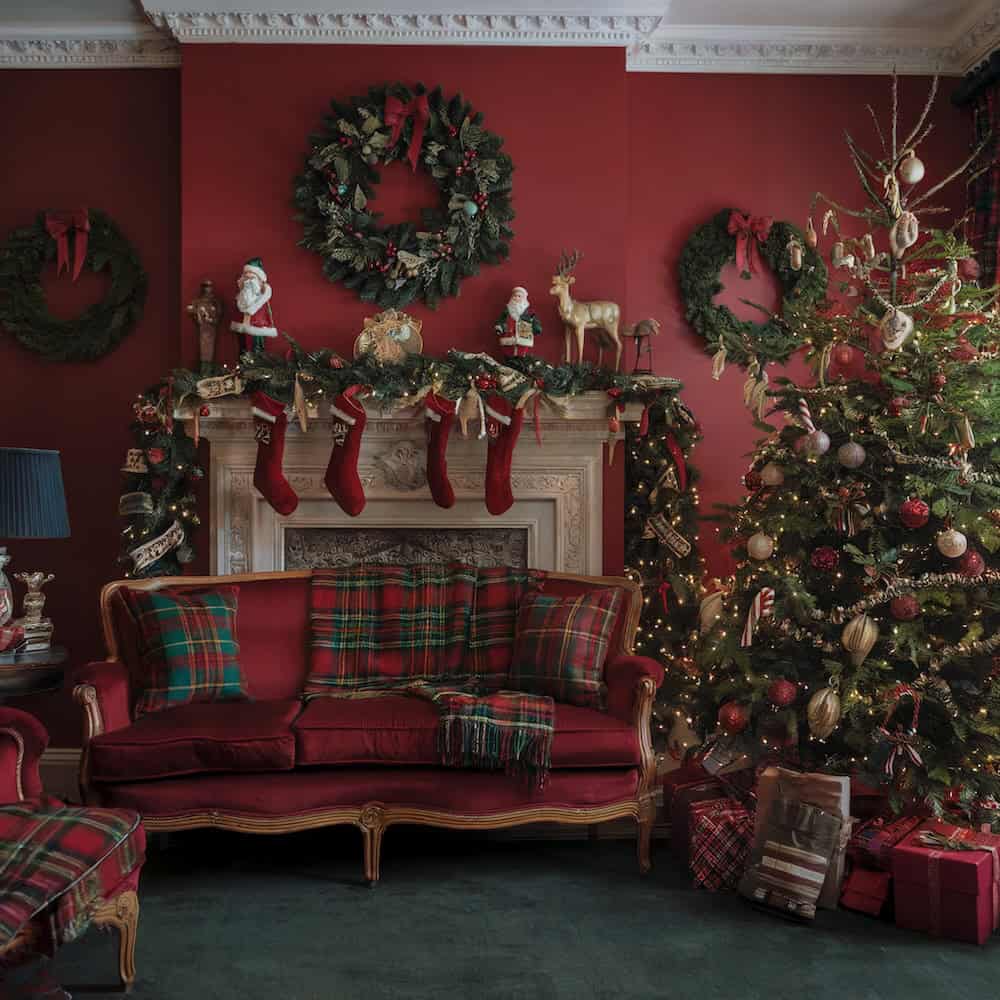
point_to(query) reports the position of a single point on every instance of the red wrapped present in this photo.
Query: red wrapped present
(688, 773)
(721, 836)
(872, 843)
(684, 799)
(946, 881)
(866, 891)
(867, 801)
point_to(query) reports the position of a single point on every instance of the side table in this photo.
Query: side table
(37, 672)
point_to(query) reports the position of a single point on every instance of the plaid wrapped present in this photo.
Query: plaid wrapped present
(721, 836)
(188, 647)
(498, 594)
(501, 730)
(376, 627)
(62, 856)
(561, 644)
(871, 844)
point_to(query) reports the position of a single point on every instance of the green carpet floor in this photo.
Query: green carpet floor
(463, 916)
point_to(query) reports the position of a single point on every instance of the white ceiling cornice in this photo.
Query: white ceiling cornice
(654, 40)
(112, 46)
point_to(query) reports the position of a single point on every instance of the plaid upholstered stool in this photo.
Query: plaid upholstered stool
(62, 868)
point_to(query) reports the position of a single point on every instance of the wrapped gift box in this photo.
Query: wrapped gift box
(946, 892)
(721, 835)
(868, 802)
(866, 891)
(689, 773)
(683, 801)
(872, 843)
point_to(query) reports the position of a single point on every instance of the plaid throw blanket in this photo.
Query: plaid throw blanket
(48, 852)
(445, 633)
(500, 730)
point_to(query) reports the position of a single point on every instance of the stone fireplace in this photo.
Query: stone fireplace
(555, 522)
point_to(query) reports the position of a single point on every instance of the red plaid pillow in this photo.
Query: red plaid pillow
(561, 643)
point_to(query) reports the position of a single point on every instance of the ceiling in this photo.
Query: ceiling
(769, 36)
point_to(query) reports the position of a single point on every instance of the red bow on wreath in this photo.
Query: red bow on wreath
(58, 226)
(749, 230)
(396, 114)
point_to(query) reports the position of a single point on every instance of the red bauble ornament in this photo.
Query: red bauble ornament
(733, 718)
(904, 608)
(964, 349)
(752, 481)
(782, 692)
(896, 406)
(971, 564)
(914, 513)
(968, 269)
(842, 354)
(156, 456)
(204, 410)
(826, 559)
(485, 382)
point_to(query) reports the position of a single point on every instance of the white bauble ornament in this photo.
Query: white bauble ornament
(859, 636)
(760, 546)
(952, 543)
(772, 474)
(823, 712)
(896, 328)
(709, 611)
(851, 455)
(911, 170)
(817, 443)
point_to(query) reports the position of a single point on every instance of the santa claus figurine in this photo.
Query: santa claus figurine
(253, 299)
(517, 326)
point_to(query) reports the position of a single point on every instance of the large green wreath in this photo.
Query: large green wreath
(102, 326)
(394, 264)
(708, 250)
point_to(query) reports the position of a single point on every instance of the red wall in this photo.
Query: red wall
(105, 139)
(621, 166)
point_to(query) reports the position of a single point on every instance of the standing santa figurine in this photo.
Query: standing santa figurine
(517, 326)
(253, 299)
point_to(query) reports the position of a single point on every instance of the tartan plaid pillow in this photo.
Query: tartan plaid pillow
(561, 643)
(188, 647)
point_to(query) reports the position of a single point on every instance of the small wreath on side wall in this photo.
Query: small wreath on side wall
(394, 264)
(102, 326)
(733, 236)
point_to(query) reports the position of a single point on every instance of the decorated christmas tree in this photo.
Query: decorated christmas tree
(861, 630)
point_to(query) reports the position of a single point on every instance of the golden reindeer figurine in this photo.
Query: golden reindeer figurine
(579, 317)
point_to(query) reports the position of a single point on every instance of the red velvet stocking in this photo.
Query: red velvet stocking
(440, 414)
(342, 479)
(503, 425)
(269, 425)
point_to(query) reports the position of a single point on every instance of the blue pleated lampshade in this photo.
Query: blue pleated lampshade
(32, 501)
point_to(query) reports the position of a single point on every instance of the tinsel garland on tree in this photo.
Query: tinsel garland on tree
(661, 547)
(161, 470)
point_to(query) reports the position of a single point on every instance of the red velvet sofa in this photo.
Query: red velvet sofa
(278, 764)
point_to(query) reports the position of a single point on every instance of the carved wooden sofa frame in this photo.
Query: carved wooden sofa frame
(373, 818)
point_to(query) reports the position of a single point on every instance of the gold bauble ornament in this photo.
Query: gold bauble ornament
(823, 712)
(859, 636)
(760, 546)
(772, 474)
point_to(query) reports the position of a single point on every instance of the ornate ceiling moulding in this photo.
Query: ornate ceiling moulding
(110, 48)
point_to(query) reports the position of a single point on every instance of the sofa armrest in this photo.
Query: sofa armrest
(624, 676)
(102, 690)
(22, 740)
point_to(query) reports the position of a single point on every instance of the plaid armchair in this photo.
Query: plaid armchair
(87, 872)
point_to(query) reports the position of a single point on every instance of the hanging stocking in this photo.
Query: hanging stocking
(342, 478)
(440, 414)
(503, 425)
(269, 424)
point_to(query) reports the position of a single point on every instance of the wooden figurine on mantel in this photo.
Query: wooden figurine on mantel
(578, 317)
(206, 311)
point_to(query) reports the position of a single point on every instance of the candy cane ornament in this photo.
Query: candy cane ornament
(817, 442)
(762, 607)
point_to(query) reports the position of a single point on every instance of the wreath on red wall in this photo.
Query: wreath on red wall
(394, 264)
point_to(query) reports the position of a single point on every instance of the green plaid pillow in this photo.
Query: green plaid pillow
(188, 648)
(561, 643)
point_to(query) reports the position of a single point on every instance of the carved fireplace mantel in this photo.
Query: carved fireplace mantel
(558, 484)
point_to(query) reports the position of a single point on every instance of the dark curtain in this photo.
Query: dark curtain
(984, 186)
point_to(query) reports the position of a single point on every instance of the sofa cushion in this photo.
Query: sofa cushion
(561, 644)
(189, 651)
(401, 729)
(191, 739)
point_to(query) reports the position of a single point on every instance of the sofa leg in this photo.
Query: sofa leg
(646, 819)
(122, 915)
(372, 822)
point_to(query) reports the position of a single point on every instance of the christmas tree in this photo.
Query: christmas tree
(859, 633)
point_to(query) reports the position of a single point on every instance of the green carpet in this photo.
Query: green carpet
(463, 916)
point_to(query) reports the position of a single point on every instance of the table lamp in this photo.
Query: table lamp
(32, 505)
